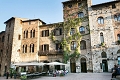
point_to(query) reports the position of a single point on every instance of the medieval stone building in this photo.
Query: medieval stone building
(32, 40)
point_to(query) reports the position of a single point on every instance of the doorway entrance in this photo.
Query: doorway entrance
(57, 67)
(104, 65)
(83, 65)
(73, 65)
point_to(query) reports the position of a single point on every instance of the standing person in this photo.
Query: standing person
(114, 72)
(7, 75)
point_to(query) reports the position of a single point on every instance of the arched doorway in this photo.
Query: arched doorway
(118, 56)
(104, 62)
(73, 65)
(104, 65)
(83, 65)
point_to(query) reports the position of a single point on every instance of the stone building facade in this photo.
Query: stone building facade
(104, 20)
(2, 36)
(30, 40)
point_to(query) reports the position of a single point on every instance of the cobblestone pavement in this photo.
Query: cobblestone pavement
(73, 76)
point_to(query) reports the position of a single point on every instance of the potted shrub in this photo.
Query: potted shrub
(23, 77)
(61, 74)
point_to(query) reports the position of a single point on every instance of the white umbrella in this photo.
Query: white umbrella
(29, 64)
(55, 63)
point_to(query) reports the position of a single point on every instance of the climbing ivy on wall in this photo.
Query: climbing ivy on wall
(67, 38)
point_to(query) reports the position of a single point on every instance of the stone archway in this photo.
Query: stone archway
(73, 65)
(83, 65)
(118, 56)
(104, 65)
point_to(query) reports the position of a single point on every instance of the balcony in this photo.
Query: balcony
(50, 52)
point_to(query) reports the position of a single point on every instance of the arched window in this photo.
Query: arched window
(33, 33)
(80, 15)
(100, 20)
(118, 52)
(103, 55)
(31, 48)
(73, 45)
(25, 48)
(101, 37)
(82, 44)
(118, 36)
(26, 34)
(82, 29)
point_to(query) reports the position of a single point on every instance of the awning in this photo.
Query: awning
(29, 64)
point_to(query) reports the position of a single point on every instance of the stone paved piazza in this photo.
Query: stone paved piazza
(74, 76)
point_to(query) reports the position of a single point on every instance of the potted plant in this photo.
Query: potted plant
(61, 74)
(23, 77)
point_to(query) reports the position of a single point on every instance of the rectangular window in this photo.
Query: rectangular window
(72, 31)
(73, 45)
(45, 47)
(113, 6)
(58, 32)
(45, 33)
(58, 46)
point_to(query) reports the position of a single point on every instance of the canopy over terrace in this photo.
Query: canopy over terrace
(55, 63)
(29, 64)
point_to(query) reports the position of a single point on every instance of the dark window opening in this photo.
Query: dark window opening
(45, 33)
(113, 6)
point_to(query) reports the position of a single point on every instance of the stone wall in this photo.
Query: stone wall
(109, 32)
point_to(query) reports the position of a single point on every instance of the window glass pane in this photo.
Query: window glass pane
(115, 17)
(82, 29)
(118, 60)
(72, 31)
(73, 45)
(118, 17)
(80, 15)
(79, 4)
(118, 36)
(100, 20)
(101, 38)
(83, 45)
